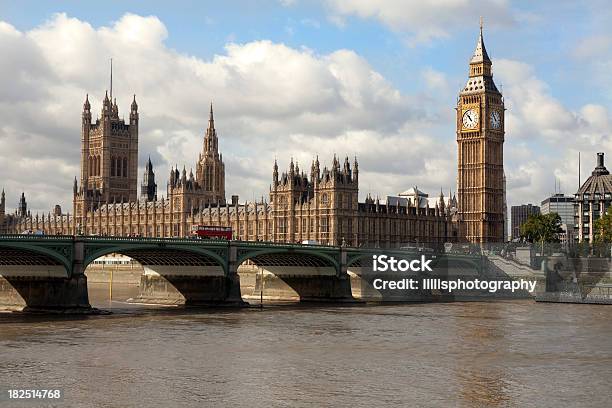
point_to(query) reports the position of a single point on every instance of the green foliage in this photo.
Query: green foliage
(603, 228)
(542, 228)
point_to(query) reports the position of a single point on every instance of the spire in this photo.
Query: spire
(480, 53)
(23, 206)
(211, 147)
(134, 104)
(211, 119)
(86, 105)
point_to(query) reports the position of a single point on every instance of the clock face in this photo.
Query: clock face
(495, 120)
(470, 119)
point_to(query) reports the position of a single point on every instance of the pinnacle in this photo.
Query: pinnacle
(480, 53)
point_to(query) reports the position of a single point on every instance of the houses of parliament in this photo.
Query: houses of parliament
(318, 204)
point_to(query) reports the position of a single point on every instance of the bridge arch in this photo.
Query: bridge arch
(285, 257)
(290, 273)
(175, 272)
(147, 254)
(19, 253)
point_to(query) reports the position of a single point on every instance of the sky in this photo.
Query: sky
(300, 78)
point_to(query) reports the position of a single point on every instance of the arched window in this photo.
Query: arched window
(324, 199)
(125, 168)
(90, 165)
(113, 166)
(99, 166)
(324, 224)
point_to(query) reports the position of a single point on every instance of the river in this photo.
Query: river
(505, 353)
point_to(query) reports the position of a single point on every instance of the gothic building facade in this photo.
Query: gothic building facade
(480, 142)
(319, 205)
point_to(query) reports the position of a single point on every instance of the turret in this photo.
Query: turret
(134, 112)
(2, 203)
(275, 173)
(442, 205)
(115, 108)
(22, 208)
(148, 188)
(171, 178)
(87, 108)
(106, 105)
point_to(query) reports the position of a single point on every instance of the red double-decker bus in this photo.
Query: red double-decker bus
(211, 232)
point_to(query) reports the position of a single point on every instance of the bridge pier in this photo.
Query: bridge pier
(44, 293)
(302, 286)
(189, 286)
(44, 285)
(192, 285)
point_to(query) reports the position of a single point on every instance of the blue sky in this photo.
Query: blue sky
(552, 59)
(545, 36)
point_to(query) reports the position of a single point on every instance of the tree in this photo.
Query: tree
(603, 228)
(542, 228)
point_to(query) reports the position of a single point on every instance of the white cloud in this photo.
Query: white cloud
(543, 136)
(593, 46)
(435, 80)
(270, 100)
(424, 20)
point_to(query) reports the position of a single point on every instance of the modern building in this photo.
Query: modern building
(592, 201)
(320, 205)
(564, 206)
(519, 214)
(560, 204)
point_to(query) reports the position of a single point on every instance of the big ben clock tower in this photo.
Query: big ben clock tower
(480, 142)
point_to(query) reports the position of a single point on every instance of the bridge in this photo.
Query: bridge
(48, 272)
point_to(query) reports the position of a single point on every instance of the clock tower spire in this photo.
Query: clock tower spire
(480, 139)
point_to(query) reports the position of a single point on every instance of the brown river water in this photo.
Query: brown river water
(497, 354)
